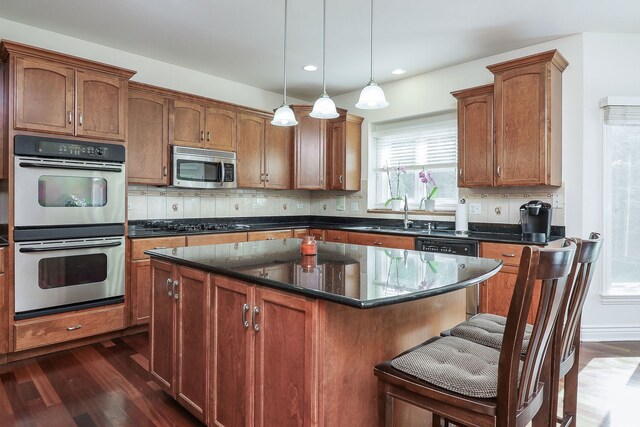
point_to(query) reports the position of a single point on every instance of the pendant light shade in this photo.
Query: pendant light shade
(324, 107)
(372, 97)
(284, 115)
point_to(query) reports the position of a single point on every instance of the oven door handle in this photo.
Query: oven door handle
(67, 248)
(82, 168)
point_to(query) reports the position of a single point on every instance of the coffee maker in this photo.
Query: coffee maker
(535, 219)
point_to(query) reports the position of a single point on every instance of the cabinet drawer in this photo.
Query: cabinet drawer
(138, 246)
(336, 236)
(299, 233)
(509, 253)
(67, 327)
(270, 235)
(382, 240)
(214, 239)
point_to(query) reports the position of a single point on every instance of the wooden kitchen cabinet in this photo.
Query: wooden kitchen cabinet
(527, 115)
(299, 233)
(62, 94)
(496, 293)
(336, 236)
(4, 321)
(220, 131)
(179, 334)
(309, 150)
(215, 239)
(382, 240)
(273, 356)
(318, 233)
(200, 126)
(264, 153)
(343, 152)
(269, 235)
(475, 136)
(148, 138)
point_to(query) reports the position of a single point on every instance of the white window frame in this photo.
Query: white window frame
(608, 296)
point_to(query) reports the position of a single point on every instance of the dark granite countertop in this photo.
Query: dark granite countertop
(353, 275)
(501, 233)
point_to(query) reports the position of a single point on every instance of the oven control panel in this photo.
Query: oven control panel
(73, 150)
(63, 148)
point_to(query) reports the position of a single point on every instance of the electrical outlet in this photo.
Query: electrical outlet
(354, 206)
(340, 203)
(300, 205)
(475, 208)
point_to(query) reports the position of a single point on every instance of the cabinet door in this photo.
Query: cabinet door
(148, 139)
(163, 345)
(337, 236)
(232, 351)
(285, 360)
(496, 293)
(140, 292)
(187, 124)
(521, 126)
(309, 152)
(102, 105)
(277, 156)
(475, 139)
(382, 240)
(44, 97)
(4, 322)
(336, 155)
(192, 297)
(251, 173)
(221, 129)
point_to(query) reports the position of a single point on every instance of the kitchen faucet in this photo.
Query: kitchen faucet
(406, 221)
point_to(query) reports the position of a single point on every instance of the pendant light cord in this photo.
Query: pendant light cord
(324, 41)
(371, 38)
(284, 61)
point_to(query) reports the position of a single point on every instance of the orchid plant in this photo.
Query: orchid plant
(431, 188)
(394, 181)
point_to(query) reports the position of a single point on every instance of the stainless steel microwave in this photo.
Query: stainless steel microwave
(200, 168)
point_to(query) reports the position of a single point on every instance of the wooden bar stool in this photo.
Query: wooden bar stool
(488, 329)
(474, 385)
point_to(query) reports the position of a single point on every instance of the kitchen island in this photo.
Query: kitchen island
(255, 334)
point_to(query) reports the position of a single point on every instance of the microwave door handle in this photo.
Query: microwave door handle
(82, 168)
(70, 247)
(223, 173)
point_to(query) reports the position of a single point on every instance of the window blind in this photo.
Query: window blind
(622, 115)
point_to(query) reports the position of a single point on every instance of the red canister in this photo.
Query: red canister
(309, 246)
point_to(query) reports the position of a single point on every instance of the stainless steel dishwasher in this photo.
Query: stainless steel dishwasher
(465, 247)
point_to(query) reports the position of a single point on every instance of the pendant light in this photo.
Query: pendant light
(372, 96)
(324, 107)
(284, 115)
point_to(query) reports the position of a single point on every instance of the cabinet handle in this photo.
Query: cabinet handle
(460, 173)
(245, 322)
(509, 255)
(261, 177)
(164, 171)
(80, 119)
(175, 292)
(254, 314)
(337, 238)
(340, 179)
(267, 177)
(74, 328)
(498, 170)
(201, 135)
(169, 283)
(377, 243)
(208, 136)
(271, 238)
(70, 117)
(321, 180)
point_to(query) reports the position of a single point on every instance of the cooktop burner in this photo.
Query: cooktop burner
(177, 226)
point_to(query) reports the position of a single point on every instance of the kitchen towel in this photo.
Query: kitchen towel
(462, 217)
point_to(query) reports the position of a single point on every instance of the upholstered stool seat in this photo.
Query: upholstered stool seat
(454, 364)
(488, 330)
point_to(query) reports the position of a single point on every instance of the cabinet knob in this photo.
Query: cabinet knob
(254, 314)
(245, 322)
(266, 176)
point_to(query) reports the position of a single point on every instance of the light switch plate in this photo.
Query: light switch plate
(354, 206)
(340, 203)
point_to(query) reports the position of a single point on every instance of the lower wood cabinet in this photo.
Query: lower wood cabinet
(337, 236)
(269, 235)
(179, 334)
(4, 321)
(382, 240)
(263, 356)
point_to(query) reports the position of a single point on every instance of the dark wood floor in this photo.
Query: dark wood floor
(107, 384)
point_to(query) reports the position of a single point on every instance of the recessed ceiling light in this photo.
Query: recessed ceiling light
(398, 71)
(310, 67)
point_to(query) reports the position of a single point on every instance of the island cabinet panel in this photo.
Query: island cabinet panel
(148, 139)
(263, 367)
(179, 334)
(140, 295)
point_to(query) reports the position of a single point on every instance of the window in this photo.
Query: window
(621, 196)
(428, 143)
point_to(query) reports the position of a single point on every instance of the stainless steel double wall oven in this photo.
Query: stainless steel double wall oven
(69, 209)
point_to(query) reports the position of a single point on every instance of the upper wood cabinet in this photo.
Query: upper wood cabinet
(264, 153)
(528, 120)
(475, 136)
(343, 152)
(148, 138)
(309, 150)
(61, 94)
(200, 126)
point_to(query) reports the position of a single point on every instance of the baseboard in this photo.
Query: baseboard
(610, 333)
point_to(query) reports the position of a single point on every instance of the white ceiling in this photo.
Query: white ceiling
(241, 40)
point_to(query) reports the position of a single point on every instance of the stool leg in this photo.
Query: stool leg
(570, 401)
(436, 420)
